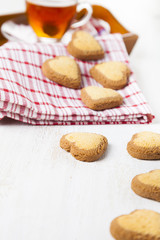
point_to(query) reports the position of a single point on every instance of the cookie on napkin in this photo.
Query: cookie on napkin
(145, 145)
(98, 98)
(87, 147)
(63, 70)
(85, 47)
(138, 225)
(111, 74)
(147, 185)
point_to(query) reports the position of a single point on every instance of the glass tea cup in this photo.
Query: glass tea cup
(50, 19)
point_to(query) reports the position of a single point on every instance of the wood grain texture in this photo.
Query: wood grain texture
(130, 39)
(4, 18)
(46, 194)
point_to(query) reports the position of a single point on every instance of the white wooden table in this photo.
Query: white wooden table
(44, 192)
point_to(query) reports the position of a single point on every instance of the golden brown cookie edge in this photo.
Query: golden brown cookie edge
(80, 54)
(145, 190)
(100, 104)
(81, 154)
(59, 78)
(109, 83)
(119, 233)
(142, 153)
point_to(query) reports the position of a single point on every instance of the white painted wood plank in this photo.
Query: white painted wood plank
(46, 193)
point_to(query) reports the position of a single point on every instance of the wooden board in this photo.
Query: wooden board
(47, 194)
(98, 12)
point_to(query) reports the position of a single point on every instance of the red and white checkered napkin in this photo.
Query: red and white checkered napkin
(26, 95)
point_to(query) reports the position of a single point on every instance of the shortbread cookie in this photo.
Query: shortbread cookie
(85, 47)
(138, 225)
(145, 145)
(98, 98)
(87, 147)
(63, 70)
(111, 74)
(147, 185)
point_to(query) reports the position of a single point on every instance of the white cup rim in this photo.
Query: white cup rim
(53, 3)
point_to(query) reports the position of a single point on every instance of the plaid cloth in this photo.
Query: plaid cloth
(26, 95)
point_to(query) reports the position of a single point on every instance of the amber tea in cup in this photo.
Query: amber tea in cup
(52, 18)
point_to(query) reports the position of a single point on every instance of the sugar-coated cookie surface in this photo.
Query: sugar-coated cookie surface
(111, 74)
(145, 145)
(63, 70)
(98, 98)
(86, 147)
(138, 225)
(147, 185)
(85, 47)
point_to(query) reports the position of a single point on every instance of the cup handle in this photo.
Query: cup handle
(86, 18)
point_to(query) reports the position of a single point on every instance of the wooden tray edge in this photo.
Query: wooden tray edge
(129, 38)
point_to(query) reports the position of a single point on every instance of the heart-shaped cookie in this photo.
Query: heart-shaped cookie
(99, 98)
(111, 74)
(63, 70)
(147, 185)
(87, 147)
(138, 225)
(145, 145)
(85, 47)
